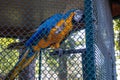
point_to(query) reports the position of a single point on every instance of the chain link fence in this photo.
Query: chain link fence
(84, 56)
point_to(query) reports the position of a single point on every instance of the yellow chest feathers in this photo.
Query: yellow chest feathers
(61, 30)
(57, 34)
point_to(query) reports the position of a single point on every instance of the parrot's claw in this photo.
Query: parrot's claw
(60, 52)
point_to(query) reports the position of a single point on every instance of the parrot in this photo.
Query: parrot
(50, 33)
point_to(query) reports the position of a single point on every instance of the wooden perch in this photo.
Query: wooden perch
(70, 51)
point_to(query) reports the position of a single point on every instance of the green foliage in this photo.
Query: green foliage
(8, 58)
(52, 61)
(117, 34)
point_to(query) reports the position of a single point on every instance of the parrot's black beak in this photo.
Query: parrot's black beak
(82, 20)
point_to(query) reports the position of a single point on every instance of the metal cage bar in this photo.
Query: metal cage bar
(89, 56)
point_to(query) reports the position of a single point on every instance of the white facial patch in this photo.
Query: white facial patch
(78, 15)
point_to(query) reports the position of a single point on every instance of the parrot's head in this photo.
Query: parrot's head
(79, 15)
(78, 19)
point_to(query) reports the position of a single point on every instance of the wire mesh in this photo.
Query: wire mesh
(80, 59)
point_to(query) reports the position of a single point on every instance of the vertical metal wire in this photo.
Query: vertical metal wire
(88, 58)
(40, 64)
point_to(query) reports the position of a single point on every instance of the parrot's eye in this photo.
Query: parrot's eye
(78, 15)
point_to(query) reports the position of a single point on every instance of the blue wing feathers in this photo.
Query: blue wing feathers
(43, 30)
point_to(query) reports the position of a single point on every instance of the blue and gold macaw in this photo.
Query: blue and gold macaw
(49, 34)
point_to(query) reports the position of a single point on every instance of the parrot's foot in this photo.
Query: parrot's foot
(60, 52)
